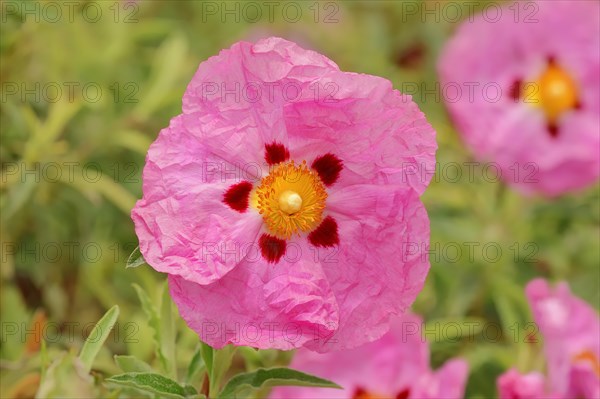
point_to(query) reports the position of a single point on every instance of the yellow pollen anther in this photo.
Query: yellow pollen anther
(555, 92)
(291, 199)
(290, 202)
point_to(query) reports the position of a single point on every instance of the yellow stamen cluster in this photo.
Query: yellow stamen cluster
(290, 199)
(555, 92)
(589, 356)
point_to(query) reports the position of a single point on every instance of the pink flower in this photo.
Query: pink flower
(284, 204)
(395, 366)
(523, 91)
(571, 331)
(512, 385)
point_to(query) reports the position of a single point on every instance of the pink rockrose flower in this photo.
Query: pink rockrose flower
(394, 367)
(523, 89)
(571, 331)
(284, 202)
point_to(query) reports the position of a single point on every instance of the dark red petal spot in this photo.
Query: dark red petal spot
(276, 153)
(272, 248)
(515, 90)
(237, 196)
(404, 394)
(552, 130)
(326, 235)
(360, 393)
(328, 167)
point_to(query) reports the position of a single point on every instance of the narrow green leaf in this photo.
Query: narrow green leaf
(154, 384)
(207, 356)
(167, 333)
(195, 365)
(221, 362)
(273, 377)
(154, 323)
(135, 259)
(97, 336)
(131, 364)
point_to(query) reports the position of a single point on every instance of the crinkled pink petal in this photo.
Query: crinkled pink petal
(260, 305)
(182, 221)
(492, 56)
(381, 263)
(380, 135)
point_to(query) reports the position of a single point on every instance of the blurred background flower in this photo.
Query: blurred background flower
(570, 329)
(83, 95)
(395, 366)
(538, 105)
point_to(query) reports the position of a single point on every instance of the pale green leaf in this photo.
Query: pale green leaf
(272, 377)
(196, 364)
(167, 333)
(135, 259)
(154, 384)
(97, 336)
(154, 323)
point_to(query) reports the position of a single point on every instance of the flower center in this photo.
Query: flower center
(290, 202)
(588, 356)
(291, 199)
(555, 92)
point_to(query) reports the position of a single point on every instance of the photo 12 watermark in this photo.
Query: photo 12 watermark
(69, 11)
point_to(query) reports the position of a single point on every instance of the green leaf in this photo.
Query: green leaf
(155, 323)
(167, 333)
(97, 336)
(195, 365)
(135, 259)
(207, 356)
(221, 362)
(131, 364)
(273, 377)
(154, 384)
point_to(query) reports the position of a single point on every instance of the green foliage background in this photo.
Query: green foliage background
(143, 65)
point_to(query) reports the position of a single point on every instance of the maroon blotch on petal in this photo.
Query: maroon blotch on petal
(276, 153)
(404, 394)
(326, 234)
(238, 195)
(272, 248)
(328, 167)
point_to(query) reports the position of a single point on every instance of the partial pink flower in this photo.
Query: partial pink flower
(395, 366)
(571, 332)
(523, 90)
(513, 385)
(284, 204)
